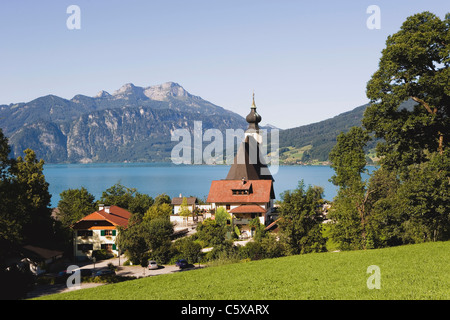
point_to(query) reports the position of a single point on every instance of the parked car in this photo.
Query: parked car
(182, 263)
(106, 272)
(152, 265)
(86, 272)
(66, 274)
(63, 273)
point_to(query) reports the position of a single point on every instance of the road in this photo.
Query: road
(127, 271)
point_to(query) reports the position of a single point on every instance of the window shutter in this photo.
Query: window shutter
(114, 232)
(102, 232)
(114, 246)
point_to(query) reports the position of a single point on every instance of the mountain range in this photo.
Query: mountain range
(134, 124)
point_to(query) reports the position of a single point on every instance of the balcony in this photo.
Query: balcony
(241, 221)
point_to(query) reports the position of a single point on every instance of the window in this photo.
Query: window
(85, 247)
(84, 233)
(108, 246)
(228, 207)
(108, 232)
(239, 192)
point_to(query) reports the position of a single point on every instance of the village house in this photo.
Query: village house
(192, 203)
(98, 231)
(247, 192)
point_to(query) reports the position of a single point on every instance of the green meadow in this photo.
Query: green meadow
(420, 271)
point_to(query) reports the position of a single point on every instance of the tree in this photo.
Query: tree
(384, 226)
(410, 111)
(159, 232)
(406, 199)
(126, 198)
(158, 211)
(5, 161)
(424, 200)
(301, 220)
(140, 203)
(146, 238)
(188, 249)
(211, 233)
(33, 197)
(258, 228)
(222, 216)
(132, 241)
(74, 204)
(10, 218)
(348, 158)
(184, 209)
(162, 198)
(414, 66)
(349, 212)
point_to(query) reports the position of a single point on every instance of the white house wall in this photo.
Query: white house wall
(96, 240)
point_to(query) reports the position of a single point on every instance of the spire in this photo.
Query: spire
(253, 118)
(253, 103)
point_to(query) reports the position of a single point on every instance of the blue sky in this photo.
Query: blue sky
(305, 60)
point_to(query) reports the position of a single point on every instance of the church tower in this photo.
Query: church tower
(247, 192)
(249, 163)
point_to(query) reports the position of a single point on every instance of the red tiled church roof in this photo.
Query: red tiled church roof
(221, 191)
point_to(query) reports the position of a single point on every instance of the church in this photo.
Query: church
(247, 192)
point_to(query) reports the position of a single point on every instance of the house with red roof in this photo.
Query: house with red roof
(99, 230)
(247, 192)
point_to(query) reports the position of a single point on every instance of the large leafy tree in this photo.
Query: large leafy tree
(414, 67)
(424, 200)
(301, 220)
(10, 220)
(144, 238)
(74, 205)
(350, 208)
(126, 198)
(210, 233)
(162, 211)
(32, 197)
(348, 158)
(406, 199)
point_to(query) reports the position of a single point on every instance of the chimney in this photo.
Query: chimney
(100, 207)
(107, 209)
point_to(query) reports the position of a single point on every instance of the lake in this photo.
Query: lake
(157, 178)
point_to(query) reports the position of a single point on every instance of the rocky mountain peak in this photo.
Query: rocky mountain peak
(125, 89)
(102, 94)
(162, 91)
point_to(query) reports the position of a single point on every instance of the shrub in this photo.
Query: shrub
(102, 254)
(111, 266)
(187, 248)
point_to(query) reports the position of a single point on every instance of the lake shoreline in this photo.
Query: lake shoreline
(162, 177)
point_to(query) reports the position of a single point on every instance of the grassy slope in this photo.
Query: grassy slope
(408, 272)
